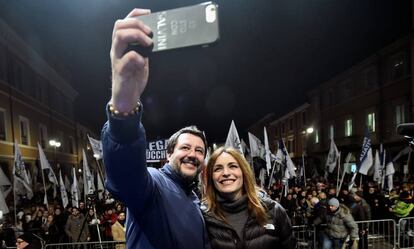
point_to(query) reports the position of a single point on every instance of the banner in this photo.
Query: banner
(157, 151)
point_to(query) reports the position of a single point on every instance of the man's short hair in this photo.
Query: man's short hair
(193, 130)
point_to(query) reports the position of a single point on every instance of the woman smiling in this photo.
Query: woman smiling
(237, 213)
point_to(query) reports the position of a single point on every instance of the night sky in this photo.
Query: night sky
(270, 54)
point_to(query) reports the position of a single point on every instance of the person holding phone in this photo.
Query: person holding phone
(162, 209)
(237, 213)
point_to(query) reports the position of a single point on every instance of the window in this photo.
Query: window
(291, 124)
(331, 131)
(283, 128)
(348, 127)
(399, 114)
(42, 135)
(316, 136)
(371, 122)
(2, 124)
(24, 130)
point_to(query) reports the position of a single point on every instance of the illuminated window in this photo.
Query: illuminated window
(399, 114)
(24, 130)
(348, 127)
(371, 122)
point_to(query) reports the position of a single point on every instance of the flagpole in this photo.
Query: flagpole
(348, 158)
(304, 169)
(339, 168)
(14, 200)
(44, 187)
(271, 175)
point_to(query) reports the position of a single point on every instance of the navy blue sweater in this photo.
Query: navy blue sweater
(162, 212)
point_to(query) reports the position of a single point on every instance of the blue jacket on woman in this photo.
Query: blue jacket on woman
(162, 212)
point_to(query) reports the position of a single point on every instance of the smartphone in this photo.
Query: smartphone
(196, 25)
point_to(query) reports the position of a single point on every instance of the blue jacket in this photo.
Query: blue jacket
(162, 213)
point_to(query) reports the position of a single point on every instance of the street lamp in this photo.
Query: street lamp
(55, 144)
(309, 130)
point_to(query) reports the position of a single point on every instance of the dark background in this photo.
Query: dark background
(270, 54)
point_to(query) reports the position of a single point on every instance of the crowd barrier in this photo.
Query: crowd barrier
(378, 234)
(88, 245)
(406, 233)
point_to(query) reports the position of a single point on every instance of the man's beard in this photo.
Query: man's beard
(186, 178)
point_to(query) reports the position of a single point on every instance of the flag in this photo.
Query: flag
(101, 187)
(63, 193)
(403, 152)
(44, 164)
(5, 184)
(266, 142)
(3, 205)
(283, 158)
(257, 149)
(377, 167)
(74, 190)
(88, 182)
(67, 182)
(233, 139)
(96, 147)
(389, 173)
(365, 159)
(21, 179)
(262, 175)
(333, 156)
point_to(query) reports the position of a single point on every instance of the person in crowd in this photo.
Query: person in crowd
(108, 219)
(340, 224)
(237, 214)
(359, 213)
(118, 230)
(163, 210)
(60, 221)
(27, 241)
(93, 224)
(51, 230)
(75, 226)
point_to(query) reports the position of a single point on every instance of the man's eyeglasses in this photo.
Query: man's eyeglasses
(19, 241)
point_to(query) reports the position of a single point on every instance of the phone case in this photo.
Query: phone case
(195, 25)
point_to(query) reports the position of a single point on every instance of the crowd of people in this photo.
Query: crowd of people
(38, 223)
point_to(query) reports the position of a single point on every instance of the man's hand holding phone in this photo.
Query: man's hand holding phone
(129, 69)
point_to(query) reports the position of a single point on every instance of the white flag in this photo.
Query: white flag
(365, 160)
(21, 178)
(88, 182)
(96, 147)
(390, 182)
(262, 175)
(267, 155)
(377, 167)
(5, 184)
(389, 169)
(44, 164)
(67, 182)
(74, 190)
(101, 187)
(233, 139)
(63, 193)
(256, 147)
(333, 156)
(3, 205)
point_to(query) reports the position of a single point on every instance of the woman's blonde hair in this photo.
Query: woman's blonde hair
(249, 187)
